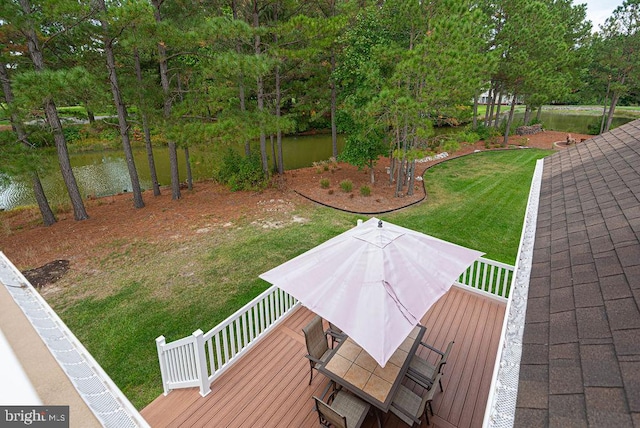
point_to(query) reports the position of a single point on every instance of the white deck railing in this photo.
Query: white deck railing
(488, 277)
(195, 361)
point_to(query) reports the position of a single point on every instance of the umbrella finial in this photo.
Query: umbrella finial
(379, 223)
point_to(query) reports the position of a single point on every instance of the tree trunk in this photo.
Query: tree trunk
(496, 123)
(604, 108)
(412, 178)
(372, 173)
(187, 161)
(48, 218)
(167, 104)
(145, 127)
(506, 132)
(489, 105)
(79, 212)
(280, 156)
(241, 96)
(51, 113)
(121, 110)
(403, 164)
(394, 160)
(400, 178)
(90, 116)
(493, 106)
(538, 115)
(175, 176)
(260, 95)
(612, 108)
(243, 108)
(273, 152)
(527, 114)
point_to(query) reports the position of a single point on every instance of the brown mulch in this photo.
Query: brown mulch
(29, 244)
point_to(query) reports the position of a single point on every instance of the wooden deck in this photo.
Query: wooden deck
(268, 387)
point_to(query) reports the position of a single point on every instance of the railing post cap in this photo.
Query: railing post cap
(160, 339)
(198, 332)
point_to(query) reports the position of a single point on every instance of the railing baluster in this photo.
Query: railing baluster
(212, 359)
(492, 286)
(225, 346)
(245, 335)
(239, 345)
(252, 322)
(218, 352)
(485, 286)
(261, 315)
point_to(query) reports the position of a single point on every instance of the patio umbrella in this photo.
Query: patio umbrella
(375, 281)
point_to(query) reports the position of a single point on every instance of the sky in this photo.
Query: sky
(599, 10)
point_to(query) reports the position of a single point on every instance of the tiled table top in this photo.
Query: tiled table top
(356, 366)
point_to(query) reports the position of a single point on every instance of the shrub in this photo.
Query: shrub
(241, 172)
(365, 191)
(324, 183)
(451, 146)
(594, 128)
(469, 137)
(71, 133)
(485, 132)
(320, 166)
(346, 186)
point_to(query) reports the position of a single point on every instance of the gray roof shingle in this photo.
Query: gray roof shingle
(581, 345)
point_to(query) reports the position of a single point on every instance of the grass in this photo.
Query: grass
(140, 290)
(477, 201)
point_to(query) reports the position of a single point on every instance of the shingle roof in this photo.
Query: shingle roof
(581, 345)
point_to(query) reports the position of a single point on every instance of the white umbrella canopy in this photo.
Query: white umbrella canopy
(375, 281)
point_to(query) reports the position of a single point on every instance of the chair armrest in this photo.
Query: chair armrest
(326, 390)
(315, 360)
(335, 334)
(418, 378)
(432, 348)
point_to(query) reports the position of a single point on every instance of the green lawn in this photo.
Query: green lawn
(142, 289)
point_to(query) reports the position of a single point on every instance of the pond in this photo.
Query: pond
(105, 173)
(572, 121)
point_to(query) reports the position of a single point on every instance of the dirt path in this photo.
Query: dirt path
(208, 206)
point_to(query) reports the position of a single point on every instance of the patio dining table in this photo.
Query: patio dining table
(355, 370)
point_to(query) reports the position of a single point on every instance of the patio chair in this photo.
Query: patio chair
(337, 335)
(422, 372)
(409, 406)
(317, 344)
(342, 410)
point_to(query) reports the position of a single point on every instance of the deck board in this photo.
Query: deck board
(268, 386)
